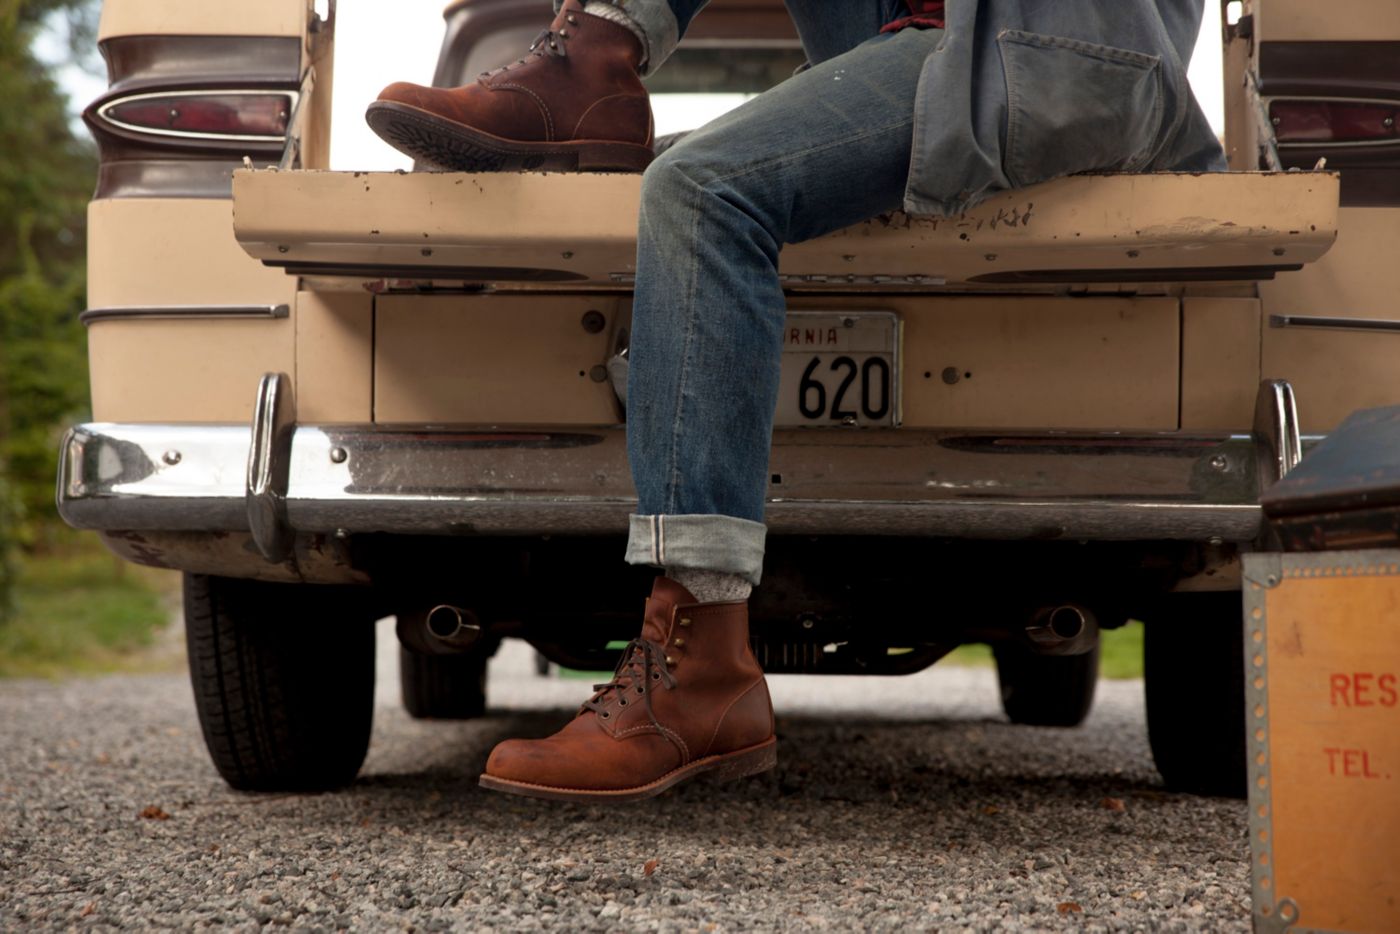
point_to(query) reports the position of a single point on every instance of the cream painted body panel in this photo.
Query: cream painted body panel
(493, 360)
(149, 253)
(334, 357)
(179, 251)
(1337, 372)
(195, 370)
(1033, 361)
(1334, 21)
(1219, 363)
(191, 18)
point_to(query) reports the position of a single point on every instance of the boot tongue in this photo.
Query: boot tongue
(665, 594)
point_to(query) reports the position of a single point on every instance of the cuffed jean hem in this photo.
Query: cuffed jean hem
(654, 19)
(712, 543)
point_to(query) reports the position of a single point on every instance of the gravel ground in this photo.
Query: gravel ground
(898, 803)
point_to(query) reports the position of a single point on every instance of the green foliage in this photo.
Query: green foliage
(46, 177)
(79, 609)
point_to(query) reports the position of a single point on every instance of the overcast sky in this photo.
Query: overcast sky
(380, 42)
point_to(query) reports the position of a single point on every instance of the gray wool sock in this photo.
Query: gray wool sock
(711, 586)
(615, 14)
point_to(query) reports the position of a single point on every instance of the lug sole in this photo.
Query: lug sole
(446, 144)
(729, 767)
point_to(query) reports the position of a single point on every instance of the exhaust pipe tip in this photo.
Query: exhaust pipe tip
(1067, 622)
(1063, 630)
(452, 626)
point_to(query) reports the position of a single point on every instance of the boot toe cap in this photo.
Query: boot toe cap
(519, 760)
(404, 92)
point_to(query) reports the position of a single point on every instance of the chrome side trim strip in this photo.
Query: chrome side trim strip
(192, 312)
(1340, 324)
(1100, 486)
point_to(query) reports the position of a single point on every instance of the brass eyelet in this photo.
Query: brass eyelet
(685, 620)
(571, 20)
(670, 660)
(605, 715)
(679, 642)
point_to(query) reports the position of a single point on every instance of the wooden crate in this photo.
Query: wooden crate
(1322, 670)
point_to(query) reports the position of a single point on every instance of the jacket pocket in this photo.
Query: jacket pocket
(1075, 106)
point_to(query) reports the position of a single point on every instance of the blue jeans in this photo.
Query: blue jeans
(827, 148)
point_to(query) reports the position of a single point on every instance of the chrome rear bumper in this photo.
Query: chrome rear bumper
(851, 482)
(276, 480)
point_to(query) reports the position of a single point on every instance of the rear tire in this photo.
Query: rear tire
(443, 687)
(1194, 665)
(283, 678)
(1046, 690)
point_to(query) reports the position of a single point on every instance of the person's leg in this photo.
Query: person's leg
(824, 149)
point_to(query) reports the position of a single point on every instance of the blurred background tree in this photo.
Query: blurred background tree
(46, 177)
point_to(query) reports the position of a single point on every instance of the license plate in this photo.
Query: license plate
(839, 368)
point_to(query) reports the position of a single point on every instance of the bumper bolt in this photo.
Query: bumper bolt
(171, 457)
(338, 455)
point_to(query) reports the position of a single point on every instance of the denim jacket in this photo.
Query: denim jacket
(1058, 87)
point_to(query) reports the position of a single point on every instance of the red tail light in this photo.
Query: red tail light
(1313, 122)
(255, 116)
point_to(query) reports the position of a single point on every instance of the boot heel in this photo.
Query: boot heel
(613, 157)
(747, 762)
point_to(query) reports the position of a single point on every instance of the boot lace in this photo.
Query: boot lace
(641, 667)
(549, 43)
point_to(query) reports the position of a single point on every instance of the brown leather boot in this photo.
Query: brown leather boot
(574, 103)
(687, 698)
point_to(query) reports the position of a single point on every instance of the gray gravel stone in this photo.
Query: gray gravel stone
(900, 803)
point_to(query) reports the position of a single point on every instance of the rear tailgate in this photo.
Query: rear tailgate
(581, 230)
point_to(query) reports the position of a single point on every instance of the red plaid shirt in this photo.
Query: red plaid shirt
(924, 14)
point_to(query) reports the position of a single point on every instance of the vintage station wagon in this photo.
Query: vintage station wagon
(331, 396)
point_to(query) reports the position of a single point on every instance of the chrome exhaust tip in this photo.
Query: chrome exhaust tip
(452, 627)
(1063, 630)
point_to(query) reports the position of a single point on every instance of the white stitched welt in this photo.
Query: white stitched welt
(720, 722)
(539, 102)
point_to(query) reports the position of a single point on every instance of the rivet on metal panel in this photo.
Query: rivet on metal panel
(598, 373)
(171, 458)
(338, 455)
(593, 321)
(1265, 569)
